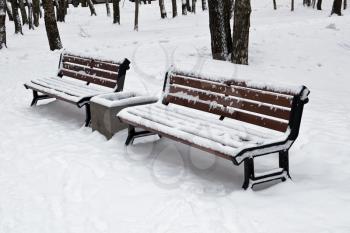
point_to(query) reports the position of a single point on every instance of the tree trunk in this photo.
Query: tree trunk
(319, 5)
(53, 35)
(345, 4)
(204, 5)
(292, 6)
(23, 12)
(241, 26)
(2, 23)
(84, 3)
(184, 7)
(336, 9)
(16, 18)
(162, 9)
(61, 11)
(174, 5)
(36, 12)
(116, 11)
(8, 10)
(220, 32)
(108, 9)
(92, 7)
(30, 13)
(188, 5)
(137, 4)
(274, 5)
(194, 6)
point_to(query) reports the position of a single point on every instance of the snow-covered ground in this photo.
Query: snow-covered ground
(58, 176)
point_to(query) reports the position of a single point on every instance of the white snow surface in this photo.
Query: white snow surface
(58, 176)
(122, 99)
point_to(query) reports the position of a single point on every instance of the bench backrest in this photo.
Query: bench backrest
(273, 109)
(101, 72)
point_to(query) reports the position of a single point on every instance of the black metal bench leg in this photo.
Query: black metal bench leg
(88, 115)
(248, 172)
(35, 98)
(131, 134)
(284, 162)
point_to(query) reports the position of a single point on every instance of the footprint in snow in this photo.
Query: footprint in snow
(344, 46)
(332, 26)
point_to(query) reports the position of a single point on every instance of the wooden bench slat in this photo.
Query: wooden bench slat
(246, 93)
(88, 78)
(87, 62)
(233, 102)
(237, 115)
(90, 71)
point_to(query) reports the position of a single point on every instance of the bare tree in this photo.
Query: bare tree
(52, 32)
(2, 24)
(137, 4)
(336, 9)
(162, 9)
(241, 25)
(23, 12)
(274, 5)
(184, 7)
(61, 10)
(108, 9)
(204, 5)
(220, 32)
(345, 4)
(174, 5)
(194, 6)
(30, 13)
(319, 5)
(116, 11)
(92, 7)
(188, 5)
(36, 12)
(16, 18)
(292, 5)
(8, 10)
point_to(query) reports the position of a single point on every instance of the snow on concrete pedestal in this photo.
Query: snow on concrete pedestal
(104, 110)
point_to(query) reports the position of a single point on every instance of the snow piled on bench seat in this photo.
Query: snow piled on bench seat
(71, 90)
(222, 71)
(228, 137)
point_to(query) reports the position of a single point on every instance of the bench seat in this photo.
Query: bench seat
(225, 138)
(68, 89)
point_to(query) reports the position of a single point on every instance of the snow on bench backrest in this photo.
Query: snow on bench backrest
(261, 105)
(92, 70)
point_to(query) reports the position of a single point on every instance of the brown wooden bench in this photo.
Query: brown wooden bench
(75, 74)
(232, 119)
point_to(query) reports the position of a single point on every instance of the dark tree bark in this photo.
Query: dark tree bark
(116, 11)
(2, 24)
(274, 5)
(23, 12)
(108, 9)
(241, 27)
(292, 6)
(30, 14)
(137, 4)
(307, 3)
(174, 6)
(345, 4)
(336, 9)
(204, 5)
(162, 9)
(92, 7)
(16, 18)
(188, 6)
(319, 5)
(184, 7)
(220, 32)
(36, 12)
(84, 3)
(8, 10)
(61, 10)
(52, 32)
(194, 6)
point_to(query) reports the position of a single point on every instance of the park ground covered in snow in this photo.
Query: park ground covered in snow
(58, 176)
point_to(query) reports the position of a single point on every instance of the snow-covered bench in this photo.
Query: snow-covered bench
(233, 119)
(75, 74)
